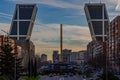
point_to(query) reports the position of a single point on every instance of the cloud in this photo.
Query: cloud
(111, 1)
(113, 4)
(47, 36)
(55, 3)
(117, 8)
(5, 27)
(76, 4)
(4, 15)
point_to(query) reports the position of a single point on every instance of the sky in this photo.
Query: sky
(52, 13)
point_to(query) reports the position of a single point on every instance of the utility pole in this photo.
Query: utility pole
(61, 46)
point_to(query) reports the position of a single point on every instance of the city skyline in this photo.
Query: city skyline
(49, 17)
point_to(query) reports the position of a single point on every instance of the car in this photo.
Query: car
(57, 68)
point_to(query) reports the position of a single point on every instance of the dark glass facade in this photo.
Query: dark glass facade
(15, 18)
(95, 12)
(14, 28)
(98, 20)
(99, 38)
(105, 14)
(23, 27)
(22, 38)
(25, 12)
(24, 16)
(97, 27)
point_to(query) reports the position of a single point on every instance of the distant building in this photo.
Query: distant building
(28, 51)
(78, 57)
(55, 57)
(114, 42)
(43, 58)
(96, 49)
(90, 50)
(38, 61)
(66, 55)
(74, 57)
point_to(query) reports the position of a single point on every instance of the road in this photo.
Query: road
(63, 77)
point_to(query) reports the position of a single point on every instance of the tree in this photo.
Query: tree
(97, 62)
(32, 68)
(35, 68)
(18, 67)
(10, 65)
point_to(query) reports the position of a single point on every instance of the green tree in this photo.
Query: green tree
(10, 64)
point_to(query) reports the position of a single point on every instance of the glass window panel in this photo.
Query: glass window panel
(106, 26)
(15, 15)
(14, 38)
(105, 14)
(97, 27)
(22, 38)
(23, 27)
(95, 12)
(14, 28)
(106, 38)
(25, 12)
(99, 39)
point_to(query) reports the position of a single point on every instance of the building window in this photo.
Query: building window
(95, 12)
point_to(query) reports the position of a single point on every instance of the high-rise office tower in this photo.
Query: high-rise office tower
(21, 30)
(98, 20)
(43, 58)
(23, 21)
(114, 42)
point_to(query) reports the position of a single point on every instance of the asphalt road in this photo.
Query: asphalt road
(63, 77)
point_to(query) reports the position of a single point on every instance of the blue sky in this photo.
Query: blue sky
(46, 13)
(50, 14)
